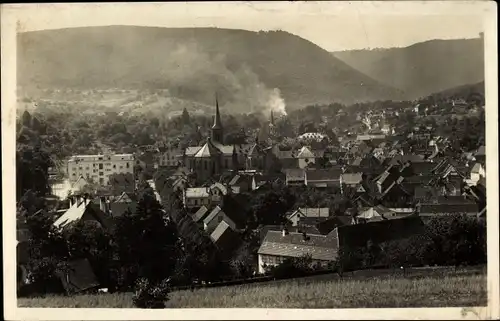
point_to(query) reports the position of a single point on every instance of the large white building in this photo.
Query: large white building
(98, 168)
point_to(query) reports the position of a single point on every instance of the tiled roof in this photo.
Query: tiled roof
(295, 174)
(352, 178)
(197, 192)
(380, 231)
(219, 231)
(320, 247)
(331, 223)
(200, 213)
(226, 150)
(191, 151)
(323, 175)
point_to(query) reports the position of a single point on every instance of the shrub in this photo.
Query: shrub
(149, 296)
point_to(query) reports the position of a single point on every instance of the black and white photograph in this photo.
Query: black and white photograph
(260, 156)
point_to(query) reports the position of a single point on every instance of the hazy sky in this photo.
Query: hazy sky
(333, 26)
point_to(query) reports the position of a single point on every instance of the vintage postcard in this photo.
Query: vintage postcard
(250, 160)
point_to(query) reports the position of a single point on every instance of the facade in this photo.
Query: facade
(169, 156)
(98, 168)
(278, 246)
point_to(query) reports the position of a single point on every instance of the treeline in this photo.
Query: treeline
(457, 240)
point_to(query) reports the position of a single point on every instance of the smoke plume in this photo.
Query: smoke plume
(192, 71)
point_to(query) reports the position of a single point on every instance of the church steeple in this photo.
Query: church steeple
(272, 118)
(217, 130)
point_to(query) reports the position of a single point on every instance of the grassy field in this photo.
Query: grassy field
(453, 289)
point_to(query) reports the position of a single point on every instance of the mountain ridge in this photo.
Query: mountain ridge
(422, 68)
(254, 69)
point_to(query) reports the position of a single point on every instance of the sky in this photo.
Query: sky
(332, 26)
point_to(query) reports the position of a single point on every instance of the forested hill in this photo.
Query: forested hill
(243, 66)
(423, 68)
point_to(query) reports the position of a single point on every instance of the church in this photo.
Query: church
(215, 157)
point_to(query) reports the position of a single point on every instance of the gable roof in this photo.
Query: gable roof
(320, 247)
(192, 150)
(481, 151)
(76, 212)
(200, 213)
(226, 150)
(305, 153)
(207, 150)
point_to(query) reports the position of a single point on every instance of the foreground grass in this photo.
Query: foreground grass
(452, 290)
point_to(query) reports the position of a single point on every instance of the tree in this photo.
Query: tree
(143, 237)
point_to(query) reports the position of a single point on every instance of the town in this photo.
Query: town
(324, 188)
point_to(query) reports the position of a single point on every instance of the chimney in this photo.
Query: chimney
(70, 199)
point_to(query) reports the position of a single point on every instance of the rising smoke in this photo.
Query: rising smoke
(193, 69)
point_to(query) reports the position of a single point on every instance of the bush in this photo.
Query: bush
(149, 296)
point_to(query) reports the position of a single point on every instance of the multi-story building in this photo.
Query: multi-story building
(98, 168)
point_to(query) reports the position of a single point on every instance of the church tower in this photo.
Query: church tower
(217, 131)
(272, 118)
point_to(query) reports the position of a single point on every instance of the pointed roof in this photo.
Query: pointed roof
(217, 122)
(305, 153)
(207, 150)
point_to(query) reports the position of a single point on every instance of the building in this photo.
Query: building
(98, 168)
(305, 157)
(318, 214)
(214, 157)
(169, 156)
(278, 246)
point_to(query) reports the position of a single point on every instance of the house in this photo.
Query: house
(82, 209)
(295, 177)
(278, 246)
(200, 214)
(125, 202)
(122, 183)
(99, 168)
(197, 196)
(318, 213)
(323, 177)
(476, 173)
(240, 183)
(328, 225)
(169, 155)
(358, 235)
(380, 213)
(213, 219)
(225, 238)
(447, 206)
(351, 179)
(480, 155)
(306, 157)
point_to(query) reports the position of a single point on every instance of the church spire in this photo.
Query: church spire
(217, 130)
(272, 117)
(217, 121)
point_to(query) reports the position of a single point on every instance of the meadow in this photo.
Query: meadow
(452, 289)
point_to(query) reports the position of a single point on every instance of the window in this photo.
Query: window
(128, 165)
(114, 166)
(80, 168)
(101, 173)
(100, 158)
(101, 166)
(101, 180)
